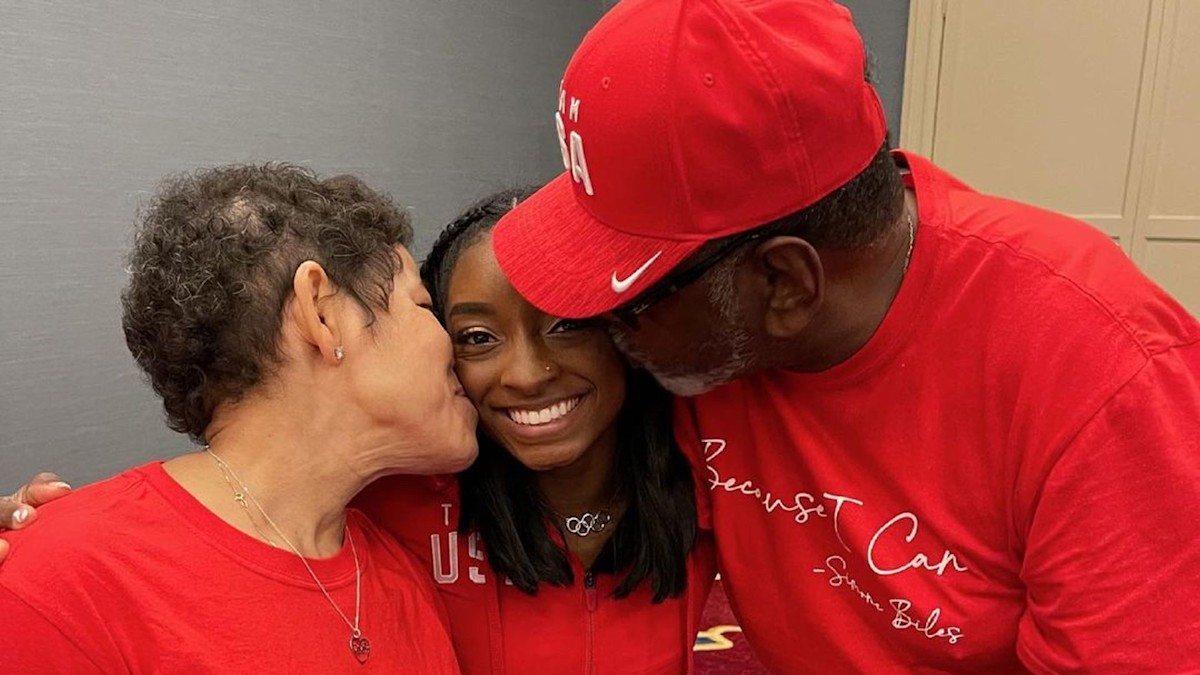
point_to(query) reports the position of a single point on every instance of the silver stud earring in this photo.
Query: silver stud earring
(549, 368)
(338, 353)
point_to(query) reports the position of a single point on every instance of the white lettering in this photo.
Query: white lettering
(835, 565)
(770, 502)
(562, 141)
(918, 561)
(902, 620)
(439, 573)
(837, 512)
(803, 504)
(571, 148)
(579, 169)
(574, 110)
(475, 552)
(709, 444)
(446, 513)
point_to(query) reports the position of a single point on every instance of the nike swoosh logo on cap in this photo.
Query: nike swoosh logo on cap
(622, 285)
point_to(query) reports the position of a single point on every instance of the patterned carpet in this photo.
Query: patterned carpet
(721, 648)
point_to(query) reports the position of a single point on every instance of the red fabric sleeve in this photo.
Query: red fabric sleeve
(32, 644)
(1112, 556)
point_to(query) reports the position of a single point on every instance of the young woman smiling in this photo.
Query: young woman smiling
(580, 497)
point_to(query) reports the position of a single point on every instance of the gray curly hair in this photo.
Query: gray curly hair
(212, 265)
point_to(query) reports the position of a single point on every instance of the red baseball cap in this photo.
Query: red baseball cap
(683, 121)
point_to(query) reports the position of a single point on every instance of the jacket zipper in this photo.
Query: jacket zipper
(589, 592)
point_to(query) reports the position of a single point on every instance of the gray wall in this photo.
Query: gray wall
(434, 101)
(884, 27)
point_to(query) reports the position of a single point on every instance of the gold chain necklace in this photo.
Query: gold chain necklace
(912, 239)
(239, 496)
(360, 646)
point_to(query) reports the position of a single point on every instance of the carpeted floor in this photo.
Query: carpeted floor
(721, 648)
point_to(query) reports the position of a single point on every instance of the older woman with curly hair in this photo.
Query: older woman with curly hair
(283, 323)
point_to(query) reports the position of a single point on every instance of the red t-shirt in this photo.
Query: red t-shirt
(133, 575)
(1006, 476)
(498, 629)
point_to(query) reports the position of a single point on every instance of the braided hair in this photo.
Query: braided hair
(463, 233)
(500, 499)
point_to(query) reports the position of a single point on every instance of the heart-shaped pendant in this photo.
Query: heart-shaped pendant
(360, 647)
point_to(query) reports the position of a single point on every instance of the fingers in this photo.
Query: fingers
(3, 550)
(45, 487)
(18, 511)
(15, 515)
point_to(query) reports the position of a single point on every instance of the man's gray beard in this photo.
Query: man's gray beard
(733, 340)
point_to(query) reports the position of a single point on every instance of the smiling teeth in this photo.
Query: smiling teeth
(545, 415)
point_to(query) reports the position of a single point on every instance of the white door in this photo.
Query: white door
(1087, 107)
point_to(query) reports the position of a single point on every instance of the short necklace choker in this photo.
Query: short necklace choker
(589, 522)
(360, 646)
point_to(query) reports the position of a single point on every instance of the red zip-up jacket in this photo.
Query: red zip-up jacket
(498, 630)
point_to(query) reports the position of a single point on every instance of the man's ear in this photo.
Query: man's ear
(794, 282)
(317, 317)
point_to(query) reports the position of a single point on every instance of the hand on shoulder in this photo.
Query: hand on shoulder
(19, 510)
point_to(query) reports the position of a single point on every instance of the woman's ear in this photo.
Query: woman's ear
(317, 317)
(794, 282)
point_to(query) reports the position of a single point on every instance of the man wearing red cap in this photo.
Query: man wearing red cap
(941, 431)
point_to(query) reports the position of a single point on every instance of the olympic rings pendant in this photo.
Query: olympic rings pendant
(587, 523)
